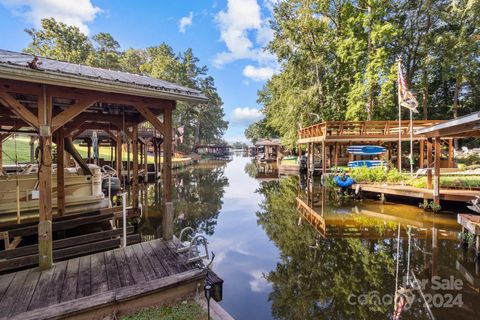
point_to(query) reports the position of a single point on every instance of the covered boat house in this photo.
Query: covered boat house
(58, 101)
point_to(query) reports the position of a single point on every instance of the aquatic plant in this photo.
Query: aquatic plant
(429, 206)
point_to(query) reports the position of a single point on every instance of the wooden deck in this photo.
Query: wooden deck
(459, 195)
(97, 285)
(361, 131)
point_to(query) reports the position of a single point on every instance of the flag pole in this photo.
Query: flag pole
(399, 148)
(411, 143)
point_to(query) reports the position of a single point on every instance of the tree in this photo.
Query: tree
(260, 130)
(106, 53)
(202, 123)
(338, 58)
(59, 41)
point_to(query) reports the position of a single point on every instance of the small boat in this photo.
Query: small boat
(366, 150)
(366, 163)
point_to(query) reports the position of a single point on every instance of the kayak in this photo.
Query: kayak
(343, 183)
(366, 163)
(366, 150)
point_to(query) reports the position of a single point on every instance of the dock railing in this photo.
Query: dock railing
(357, 129)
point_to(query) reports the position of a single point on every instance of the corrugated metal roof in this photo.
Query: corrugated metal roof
(268, 142)
(17, 59)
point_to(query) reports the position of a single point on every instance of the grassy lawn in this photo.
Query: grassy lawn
(289, 162)
(182, 310)
(22, 147)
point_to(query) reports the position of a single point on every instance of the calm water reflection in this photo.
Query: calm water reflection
(276, 265)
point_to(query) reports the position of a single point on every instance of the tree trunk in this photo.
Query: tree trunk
(455, 105)
(425, 95)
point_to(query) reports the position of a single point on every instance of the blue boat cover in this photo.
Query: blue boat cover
(366, 163)
(366, 150)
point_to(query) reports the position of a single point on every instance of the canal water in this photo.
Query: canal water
(277, 265)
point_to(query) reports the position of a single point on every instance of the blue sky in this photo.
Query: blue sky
(227, 35)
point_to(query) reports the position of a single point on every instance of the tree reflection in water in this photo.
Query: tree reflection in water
(315, 276)
(198, 194)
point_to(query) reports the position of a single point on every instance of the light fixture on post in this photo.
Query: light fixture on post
(208, 294)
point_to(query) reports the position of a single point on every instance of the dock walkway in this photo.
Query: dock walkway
(98, 285)
(460, 195)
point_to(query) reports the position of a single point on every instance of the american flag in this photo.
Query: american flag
(406, 98)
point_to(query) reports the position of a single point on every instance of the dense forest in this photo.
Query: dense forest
(202, 123)
(337, 61)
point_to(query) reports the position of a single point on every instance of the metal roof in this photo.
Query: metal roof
(268, 142)
(466, 126)
(15, 65)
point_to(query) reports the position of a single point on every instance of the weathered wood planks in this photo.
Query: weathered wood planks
(101, 278)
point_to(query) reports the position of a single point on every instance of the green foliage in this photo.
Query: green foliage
(57, 40)
(105, 54)
(182, 310)
(376, 174)
(259, 130)
(338, 60)
(202, 123)
(429, 206)
(470, 159)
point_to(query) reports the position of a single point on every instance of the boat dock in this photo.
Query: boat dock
(103, 284)
(456, 195)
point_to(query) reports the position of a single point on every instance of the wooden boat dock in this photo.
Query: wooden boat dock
(95, 286)
(456, 195)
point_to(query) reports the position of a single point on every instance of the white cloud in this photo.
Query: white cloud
(246, 115)
(258, 74)
(72, 12)
(185, 22)
(241, 18)
(258, 283)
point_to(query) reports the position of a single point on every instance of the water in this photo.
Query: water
(278, 266)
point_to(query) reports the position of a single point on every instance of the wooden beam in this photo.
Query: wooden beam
(45, 181)
(151, 117)
(18, 108)
(70, 112)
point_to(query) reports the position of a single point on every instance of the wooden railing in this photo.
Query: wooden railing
(363, 128)
(316, 220)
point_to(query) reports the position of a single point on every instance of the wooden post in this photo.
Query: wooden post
(337, 151)
(324, 158)
(436, 178)
(118, 156)
(450, 153)
(167, 221)
(60, 172)
(135, 167)
(167, 163)
(155, 158)
(128, 160)
(422, 154)
(1, 157)
(89, 151)
(32, 149)
(145, 160)
(45, 181)
(429, 164)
